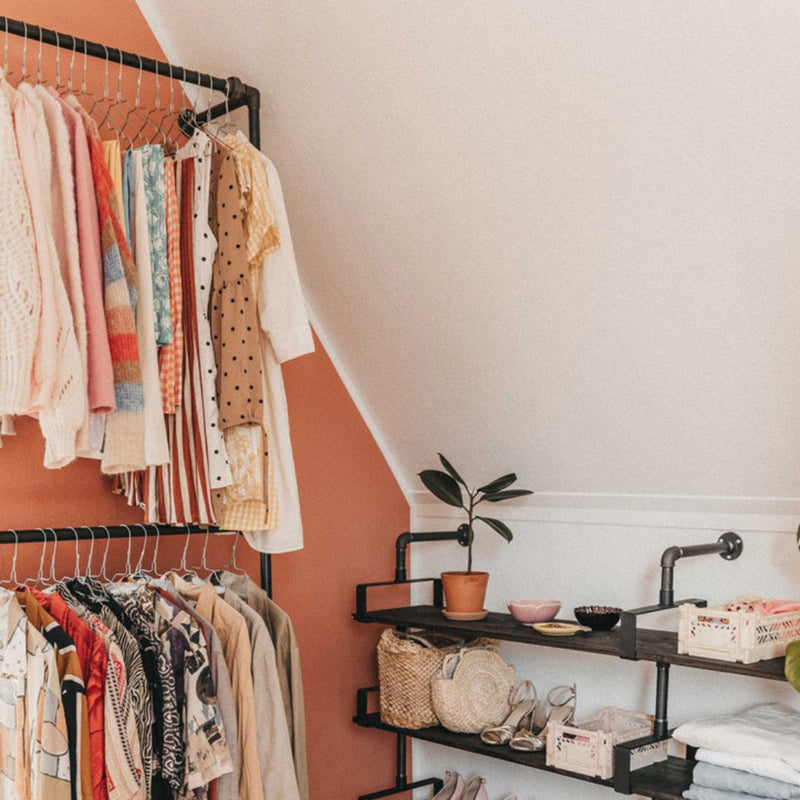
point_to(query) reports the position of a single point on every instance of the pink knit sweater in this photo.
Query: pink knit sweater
(100, 370)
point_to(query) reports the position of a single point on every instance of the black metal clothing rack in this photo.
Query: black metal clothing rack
(238, 95)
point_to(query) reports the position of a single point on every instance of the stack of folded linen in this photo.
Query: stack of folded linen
(750, 755)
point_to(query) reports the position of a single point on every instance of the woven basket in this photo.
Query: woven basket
(406, 665)
(472, 689)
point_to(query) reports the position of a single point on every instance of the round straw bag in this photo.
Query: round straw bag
(406, 664)
(472, 689)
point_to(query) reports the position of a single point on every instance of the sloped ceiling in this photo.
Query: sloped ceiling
(556, 237)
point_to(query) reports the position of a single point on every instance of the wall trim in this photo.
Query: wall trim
(688, 512)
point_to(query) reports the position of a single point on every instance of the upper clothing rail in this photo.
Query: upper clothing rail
(237, 94)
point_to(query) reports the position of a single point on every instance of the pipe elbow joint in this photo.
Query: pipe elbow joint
(670, 556)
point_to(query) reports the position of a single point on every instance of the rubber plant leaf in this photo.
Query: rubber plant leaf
(496, 497)
(500, 527)
(792, 668)
(452, 470)
(441, 485)
(498, 484)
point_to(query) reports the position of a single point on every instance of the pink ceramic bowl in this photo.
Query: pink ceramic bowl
(534, 610)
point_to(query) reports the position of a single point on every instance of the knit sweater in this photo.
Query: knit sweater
(100, 371)
(123, 450)
(20, 289)
(62, 414)
(65, 236)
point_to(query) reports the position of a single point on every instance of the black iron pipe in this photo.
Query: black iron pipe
(405, 539)
(729, 546)
(660, 726)
(66, 41)
(402, 778)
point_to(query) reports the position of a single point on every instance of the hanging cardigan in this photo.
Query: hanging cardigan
(20, 290)
(61, 415)
(65, 236)
(124, 445)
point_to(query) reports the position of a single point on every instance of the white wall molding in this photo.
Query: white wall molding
(690, 512)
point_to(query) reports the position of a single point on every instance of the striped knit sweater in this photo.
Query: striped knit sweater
(123, 450)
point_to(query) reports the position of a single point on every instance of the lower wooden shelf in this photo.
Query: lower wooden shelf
(666, 780)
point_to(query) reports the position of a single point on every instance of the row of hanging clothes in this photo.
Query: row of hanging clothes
(148, 296)
(145, 685)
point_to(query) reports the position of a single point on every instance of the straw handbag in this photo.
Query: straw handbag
(472, 689)
(406, 664)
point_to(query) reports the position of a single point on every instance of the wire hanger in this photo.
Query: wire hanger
(51, 578)
(6, 71)
(88, 572)
(234, 567)
(39, 78)
(77, 570)
(39, 577)
(185, 550)
(24, 68)
(137, 113)
(68, 89)
(12, 578)
(57, 87)
(138, 573)
(154, 565)
(127, 570)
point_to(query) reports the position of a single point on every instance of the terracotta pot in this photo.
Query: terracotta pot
(464, 592)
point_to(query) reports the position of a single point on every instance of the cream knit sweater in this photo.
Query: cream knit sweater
(65, 236)
(62, 416)
(20, 291)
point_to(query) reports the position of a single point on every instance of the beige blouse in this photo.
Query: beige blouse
(231, 628)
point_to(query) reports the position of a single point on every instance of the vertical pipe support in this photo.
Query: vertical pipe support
(402, 777)
(660, 725)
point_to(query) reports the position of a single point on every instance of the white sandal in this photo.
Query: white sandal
(522, 707)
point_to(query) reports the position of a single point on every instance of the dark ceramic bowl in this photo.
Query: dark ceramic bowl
(598, 618)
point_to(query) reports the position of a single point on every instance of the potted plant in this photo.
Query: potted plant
(465, 591)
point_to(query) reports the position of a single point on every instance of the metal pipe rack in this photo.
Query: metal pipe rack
(237, 95)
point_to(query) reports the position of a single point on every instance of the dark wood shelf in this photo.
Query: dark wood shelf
(666, 780)
(653, 645)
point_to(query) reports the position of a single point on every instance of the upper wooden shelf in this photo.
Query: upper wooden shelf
(652, 645)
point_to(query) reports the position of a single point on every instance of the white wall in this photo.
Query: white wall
(561, 237)
(580, 558)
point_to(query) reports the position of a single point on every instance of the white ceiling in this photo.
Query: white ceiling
(555, 237)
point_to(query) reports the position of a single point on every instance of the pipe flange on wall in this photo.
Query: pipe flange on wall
(735, 545)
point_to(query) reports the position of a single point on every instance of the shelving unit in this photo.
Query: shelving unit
(666, 780)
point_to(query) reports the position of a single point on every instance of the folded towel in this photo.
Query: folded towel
(736, 780)
(695, 792)
(767, 730)
(764, 766)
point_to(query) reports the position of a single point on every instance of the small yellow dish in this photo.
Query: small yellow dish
(556, 628)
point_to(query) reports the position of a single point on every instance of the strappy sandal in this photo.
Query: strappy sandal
(559, 711)
(522, 706)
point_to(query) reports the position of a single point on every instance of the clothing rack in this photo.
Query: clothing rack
(237, 95)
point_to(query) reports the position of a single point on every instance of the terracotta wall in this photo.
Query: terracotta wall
(351, 504)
